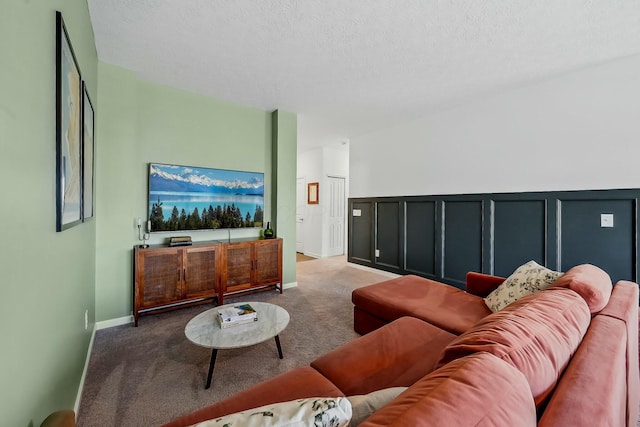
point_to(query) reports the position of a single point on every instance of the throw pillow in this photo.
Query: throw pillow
(592, 283)
(316, 411)
(363, 405)
(527, 279)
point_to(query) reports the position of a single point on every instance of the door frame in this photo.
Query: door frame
(301, 202)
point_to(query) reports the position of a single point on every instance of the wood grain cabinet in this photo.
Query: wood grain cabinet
(167, 278)
(250, 266)
(268, 267)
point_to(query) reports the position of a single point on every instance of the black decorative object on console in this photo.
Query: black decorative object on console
(268, 232)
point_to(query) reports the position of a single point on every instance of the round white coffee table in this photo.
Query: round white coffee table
(204, 330)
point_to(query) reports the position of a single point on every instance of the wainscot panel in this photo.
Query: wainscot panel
(583, 238)
(463, 234)
(388, 235)
(361, 232)
(519, 234)
(420, 237)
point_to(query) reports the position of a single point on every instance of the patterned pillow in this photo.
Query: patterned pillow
(527, 279)
(313, 411)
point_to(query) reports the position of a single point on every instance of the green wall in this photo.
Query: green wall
(47, 277)
(142, 122)
(50, 279)
(284, 159)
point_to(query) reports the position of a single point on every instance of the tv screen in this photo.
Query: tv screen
(197, 198)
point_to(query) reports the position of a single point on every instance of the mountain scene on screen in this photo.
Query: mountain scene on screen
(192, 198)
(197, 180)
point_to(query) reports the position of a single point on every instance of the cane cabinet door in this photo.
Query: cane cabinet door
(200, 271)
(268, 264)
(159, 277)
(237, 271)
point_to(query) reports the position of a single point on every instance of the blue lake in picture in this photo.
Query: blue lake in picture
(189, 201)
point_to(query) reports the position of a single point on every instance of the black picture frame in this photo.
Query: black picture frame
(88, 154)
(68, 132)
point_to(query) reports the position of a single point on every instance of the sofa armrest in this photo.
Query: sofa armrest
(482, 284)
(593, 388)
(299, 383)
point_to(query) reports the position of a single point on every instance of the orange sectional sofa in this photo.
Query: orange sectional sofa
(563, 356)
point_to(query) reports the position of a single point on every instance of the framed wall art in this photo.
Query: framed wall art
(313, 192)
(68, 132)
(87, 154)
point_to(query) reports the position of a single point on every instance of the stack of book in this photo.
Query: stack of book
(180, 241)
(236, 315)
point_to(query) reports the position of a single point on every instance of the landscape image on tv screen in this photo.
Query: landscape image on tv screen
(196, 198)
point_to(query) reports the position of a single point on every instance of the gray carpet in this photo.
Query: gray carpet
(149, 375)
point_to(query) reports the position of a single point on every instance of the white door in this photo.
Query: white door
(301, 206)
(336, 215)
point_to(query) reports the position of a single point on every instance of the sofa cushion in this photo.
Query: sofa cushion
(298, 383)
(444, 306)
(527, 279)
(363, 405)
(537, 334)
(396, 355)
(592, 283)
(316, 411)
(477, 390)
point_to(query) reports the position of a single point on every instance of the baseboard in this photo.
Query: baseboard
(373, 270)
(104, 324)
(76, 407)
(290, 285)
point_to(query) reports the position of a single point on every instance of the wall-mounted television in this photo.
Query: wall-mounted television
(199, 198)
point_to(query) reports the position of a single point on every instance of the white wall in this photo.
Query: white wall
(574, 132)
(314, 166)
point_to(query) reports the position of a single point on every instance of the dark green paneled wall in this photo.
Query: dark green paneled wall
(443, 237)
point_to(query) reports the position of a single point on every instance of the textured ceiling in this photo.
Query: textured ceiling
(348, 67)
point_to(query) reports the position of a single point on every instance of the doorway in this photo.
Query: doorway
(336, 215)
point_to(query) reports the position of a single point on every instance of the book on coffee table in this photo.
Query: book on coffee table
(236, 315)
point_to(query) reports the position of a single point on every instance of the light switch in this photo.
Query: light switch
(357, 212)
(377, 253)
(606, 220)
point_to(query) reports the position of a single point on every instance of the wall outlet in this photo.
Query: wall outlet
(606, 220)
(86, 320)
